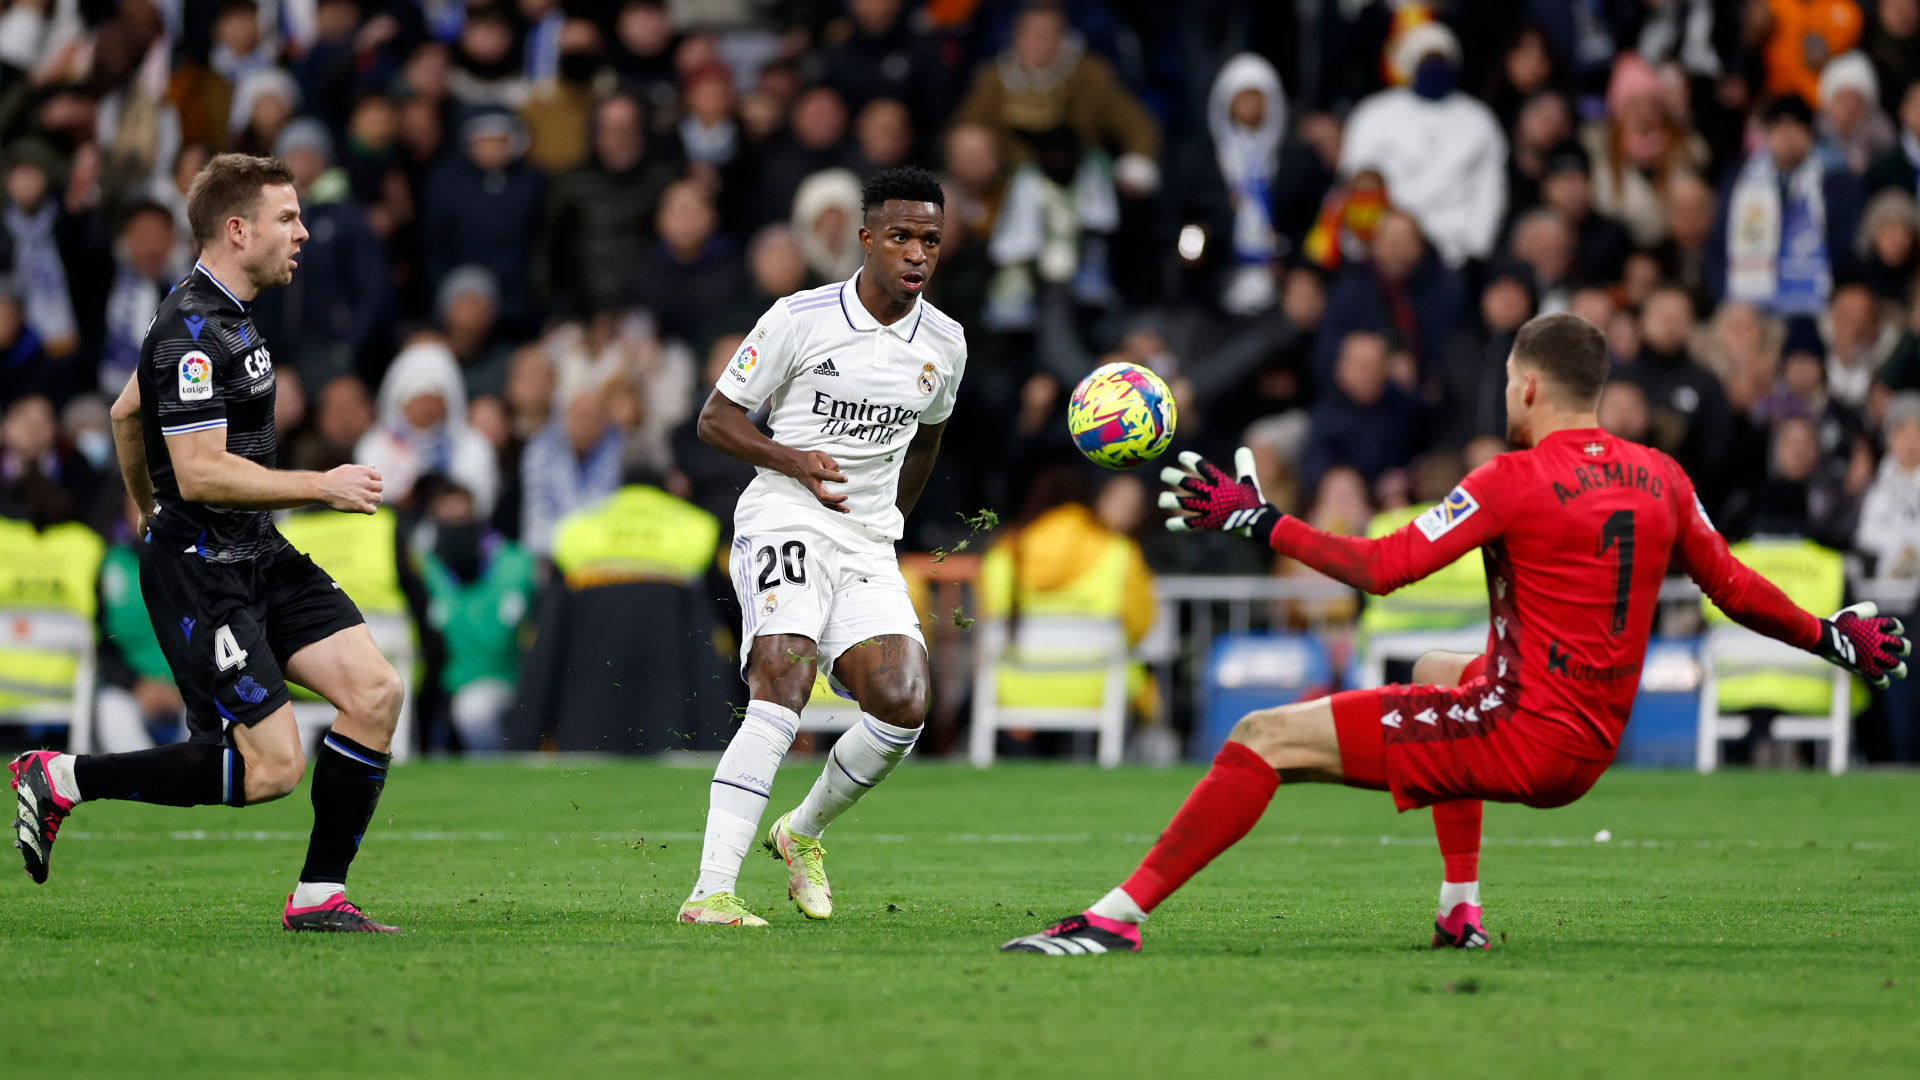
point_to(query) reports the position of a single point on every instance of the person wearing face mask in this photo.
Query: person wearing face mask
(1441, 151)
(479, 589)
(559, 106)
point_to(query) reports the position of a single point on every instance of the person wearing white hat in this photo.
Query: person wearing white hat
(1853, 128)
(1441, 151)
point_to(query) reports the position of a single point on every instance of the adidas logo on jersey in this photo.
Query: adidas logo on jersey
(825, 367)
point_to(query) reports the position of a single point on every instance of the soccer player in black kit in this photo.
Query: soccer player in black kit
(237, 609)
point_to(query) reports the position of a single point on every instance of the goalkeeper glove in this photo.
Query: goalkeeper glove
(1865, 642)
(1213, 500)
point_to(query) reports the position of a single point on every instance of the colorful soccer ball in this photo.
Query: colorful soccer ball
(1121, 416)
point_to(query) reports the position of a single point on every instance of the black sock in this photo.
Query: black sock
(181, 774)
(347, 779)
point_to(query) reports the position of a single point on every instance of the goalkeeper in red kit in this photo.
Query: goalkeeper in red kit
(1577, 530)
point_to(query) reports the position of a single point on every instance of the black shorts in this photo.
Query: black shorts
(228, 628)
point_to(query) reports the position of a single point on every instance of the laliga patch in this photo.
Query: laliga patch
(196, 377)
(1440, 519)
(744, 361)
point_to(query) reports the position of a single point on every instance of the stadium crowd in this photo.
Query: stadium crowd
(541, 227)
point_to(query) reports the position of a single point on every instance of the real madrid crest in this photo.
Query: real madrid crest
(926, 379)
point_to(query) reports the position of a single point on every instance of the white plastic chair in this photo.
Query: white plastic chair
(1409, 644)
(1051, 644)
(63, 632)
(394, 636)
(1735, 650)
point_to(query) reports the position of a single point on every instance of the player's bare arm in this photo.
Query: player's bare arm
(130, 447)
(726, 427)
(209, 474)
(918, 465)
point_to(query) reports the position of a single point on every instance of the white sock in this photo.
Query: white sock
(860, 759)
(739, 793)
(1453, 893)
(60, 768)
(1119, 906)
(309, 893)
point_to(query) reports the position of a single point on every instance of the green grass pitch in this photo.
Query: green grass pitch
(1740, 924)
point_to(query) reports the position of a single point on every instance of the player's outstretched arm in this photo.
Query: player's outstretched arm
(918, 465)
(725, 426)
(208, 474)
(1205, 498)
(130, 447)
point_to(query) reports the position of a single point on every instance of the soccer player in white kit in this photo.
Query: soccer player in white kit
(860, 377)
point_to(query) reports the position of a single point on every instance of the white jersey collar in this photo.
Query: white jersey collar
(859, 318)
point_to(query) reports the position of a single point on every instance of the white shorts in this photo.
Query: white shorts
(796, 581)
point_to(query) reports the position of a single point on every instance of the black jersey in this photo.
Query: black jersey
(204, 366)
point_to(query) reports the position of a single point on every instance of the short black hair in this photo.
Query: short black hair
(1569, 351)
(908, 183)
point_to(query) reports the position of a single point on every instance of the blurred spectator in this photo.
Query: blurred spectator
(708, 132)
(975, 180)
(1475, 381)
(1363, 419)
(826, 224)
(1892, 43)
(489, 66)
(1545, 121)
(1895, 167)
(815, 140)
(423, 429)
(1888, 245)
(1801, 36)
(142, 277)
(467, 308)
(558, 105)
(1526, 73)
(480, 588)
(342, 415)
(1624, 412)
(601, 215)
(1050, 251)
(1683, 255)
(529, 393)
(1600, 244)
(482, 207)
(263, 102)
(40, 477)
(1402, 290)
(1442, 152)
(1802, 391)
(1786, 222)
(1046, 80)
(336, 312)
(573, 461)
(24, 367)
(883, 131)
(1890, 514)
(1639, 147)
(1803, 494)
(1858, 343)
(1853, 129)
(1246, 119)
(1690, 416)
(45, 239)
(690, 275)
(642, 54)
(881, 55)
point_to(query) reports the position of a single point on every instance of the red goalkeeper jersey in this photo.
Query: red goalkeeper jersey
(1577, 534)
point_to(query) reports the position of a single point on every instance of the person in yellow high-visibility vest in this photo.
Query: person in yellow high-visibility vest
(53, 570)
(1813, 577)
(1059, 559)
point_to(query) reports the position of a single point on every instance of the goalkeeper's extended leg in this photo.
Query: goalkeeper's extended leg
(1458, 923)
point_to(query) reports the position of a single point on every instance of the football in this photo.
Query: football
(1121, 416)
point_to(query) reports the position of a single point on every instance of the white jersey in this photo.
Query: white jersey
(842, 383)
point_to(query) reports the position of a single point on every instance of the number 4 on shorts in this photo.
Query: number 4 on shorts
(227, 652)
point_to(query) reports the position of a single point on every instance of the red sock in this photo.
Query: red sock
(1457, 825)
(1222, 808)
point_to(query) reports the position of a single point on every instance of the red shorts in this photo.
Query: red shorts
(1432, 744)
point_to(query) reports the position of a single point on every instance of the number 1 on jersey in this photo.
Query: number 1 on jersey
(1617, 533)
